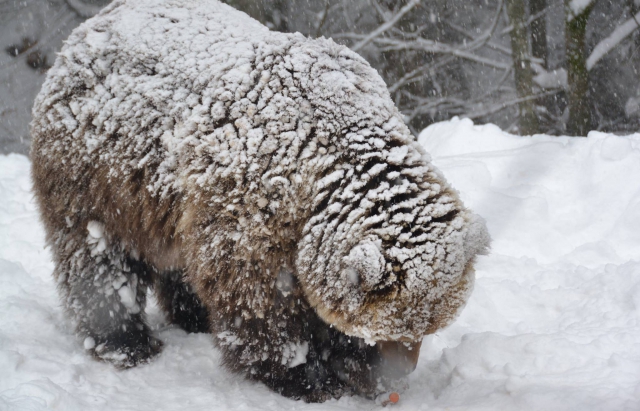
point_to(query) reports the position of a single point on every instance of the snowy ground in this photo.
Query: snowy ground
(553, 323)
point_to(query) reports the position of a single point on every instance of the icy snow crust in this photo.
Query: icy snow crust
(553, 323)
(266, 129)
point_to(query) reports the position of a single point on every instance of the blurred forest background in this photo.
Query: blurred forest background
(529, 66)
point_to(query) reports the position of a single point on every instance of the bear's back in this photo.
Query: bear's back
(191, 43)
(144, 81)
(131, 84)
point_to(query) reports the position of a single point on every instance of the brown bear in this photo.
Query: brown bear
(263, 184)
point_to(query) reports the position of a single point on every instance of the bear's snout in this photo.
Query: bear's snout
(398, 358)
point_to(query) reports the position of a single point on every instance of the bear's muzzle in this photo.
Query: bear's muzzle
(398, 358)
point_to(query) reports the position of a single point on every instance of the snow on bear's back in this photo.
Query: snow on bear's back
(165, 72)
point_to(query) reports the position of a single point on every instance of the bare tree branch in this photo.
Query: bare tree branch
(323, 19)
(439, 48)
(416, 73)
(605, 46)
(505, 104)
(498, 47)
(386, 26)
(84, 9)
(530, 20)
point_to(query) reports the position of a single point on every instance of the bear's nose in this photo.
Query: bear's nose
(398, 358)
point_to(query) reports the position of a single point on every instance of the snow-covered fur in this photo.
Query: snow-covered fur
(181, 145)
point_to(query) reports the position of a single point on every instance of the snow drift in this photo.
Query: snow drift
(553, 322)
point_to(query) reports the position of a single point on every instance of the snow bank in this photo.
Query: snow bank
(553, 324)
(553, 199)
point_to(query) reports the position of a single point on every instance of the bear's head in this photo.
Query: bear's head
(394, 288)
(388, 253)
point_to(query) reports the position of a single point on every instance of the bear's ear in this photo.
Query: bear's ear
(365, 265)
(476, 239)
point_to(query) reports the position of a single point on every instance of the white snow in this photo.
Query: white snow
(576, 7)
(550, 79)
(96, 229)
(89, 343)
(128, 299)
(553, 322)
(299, 352)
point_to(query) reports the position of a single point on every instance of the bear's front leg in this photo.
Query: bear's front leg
(259, 322)
(262, 322)
(104, 290)
(288, 347)
(286, 358)
(181, 305)
(299, 356)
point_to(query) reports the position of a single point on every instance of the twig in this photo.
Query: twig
(606, 45)
(505, 50)
(386, 26)
(531, 19)
(380, 10)
(415, 73)
(503, 105)
(325, 13)
(439, 48)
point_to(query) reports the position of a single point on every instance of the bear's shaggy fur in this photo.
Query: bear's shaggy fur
(263, 184)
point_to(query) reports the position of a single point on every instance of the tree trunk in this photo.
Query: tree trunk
(528, 120)
(539, 31)
(577, 73)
